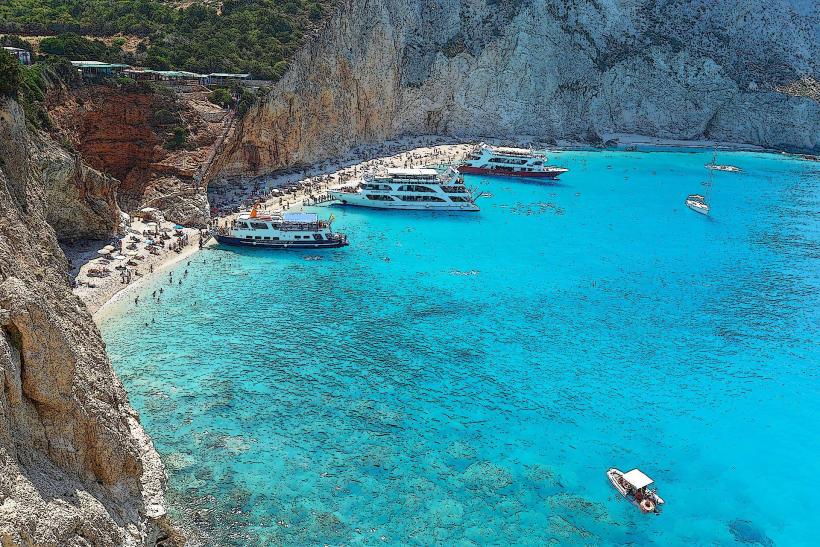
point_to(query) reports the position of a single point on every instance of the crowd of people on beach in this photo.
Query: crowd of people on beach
(291, 189)
(149, 245)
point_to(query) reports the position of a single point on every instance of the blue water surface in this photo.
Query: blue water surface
(467, 379)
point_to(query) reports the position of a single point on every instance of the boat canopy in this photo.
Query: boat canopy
(637, 479)
(300, 217)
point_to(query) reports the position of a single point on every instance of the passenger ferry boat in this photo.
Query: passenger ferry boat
(509, 162)
(289, 231)
(410, 189)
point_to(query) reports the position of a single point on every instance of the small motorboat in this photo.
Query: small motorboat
(724, 168)
(697, 203)
(634, 486)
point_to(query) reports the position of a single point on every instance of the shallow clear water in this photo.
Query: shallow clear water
(467, 379)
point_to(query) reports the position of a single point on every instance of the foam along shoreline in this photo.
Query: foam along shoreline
(100, 293)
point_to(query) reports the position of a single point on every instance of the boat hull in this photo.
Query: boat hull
(548, 173)
(280, 245)
(700, 210)
(358, 200)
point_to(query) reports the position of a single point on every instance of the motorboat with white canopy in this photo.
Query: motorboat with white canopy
(634, 486)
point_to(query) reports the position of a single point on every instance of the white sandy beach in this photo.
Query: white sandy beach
(99, 292)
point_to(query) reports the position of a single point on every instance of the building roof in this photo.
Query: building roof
(227, 75)
(15, 49)
(637, 479)
(177, 73)
(397, 171)
(97, 64)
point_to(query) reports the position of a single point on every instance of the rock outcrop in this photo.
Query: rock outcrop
(81, 202)
(692, 69)
(76, 467)
(128, 134)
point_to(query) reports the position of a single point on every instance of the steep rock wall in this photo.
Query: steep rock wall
(685, 69)
(125, 133)
(76, 467)
(81, 202)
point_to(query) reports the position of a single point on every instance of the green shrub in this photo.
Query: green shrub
(247, 99)
(10, 76)
(221, 97)
(251, 36)
(76, 48)
(10, 40)
(178, 138)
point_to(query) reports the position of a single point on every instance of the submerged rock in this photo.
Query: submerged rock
(745, 531)
(563, 529)
(543, 476)
(570, 503)
(486, 476)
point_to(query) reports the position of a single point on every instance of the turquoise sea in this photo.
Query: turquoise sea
(467, 379)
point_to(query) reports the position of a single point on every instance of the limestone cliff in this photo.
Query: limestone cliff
(76, 467)
(684, 69)
(127, 133)
(81, 202)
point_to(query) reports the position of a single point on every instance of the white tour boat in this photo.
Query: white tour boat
(288, 231)
(634, 486)
(412, 189)
(509, 162)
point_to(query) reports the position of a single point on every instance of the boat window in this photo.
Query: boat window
(473, 157)
(318, 237)
(242, 225)
(421, 198)
(415, 188)
(537, 163)
(266, 237)
(248, 237)
(275, 238)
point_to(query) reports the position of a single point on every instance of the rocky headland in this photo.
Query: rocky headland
(76, 467)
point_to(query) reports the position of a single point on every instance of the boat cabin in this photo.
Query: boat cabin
(636, 480)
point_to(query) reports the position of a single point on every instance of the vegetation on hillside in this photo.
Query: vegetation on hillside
(254, 36)
(9, 74)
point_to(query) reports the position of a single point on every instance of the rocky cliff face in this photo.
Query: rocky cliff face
(688, 69)
(126, 133)
(76, 467)
(81, 202)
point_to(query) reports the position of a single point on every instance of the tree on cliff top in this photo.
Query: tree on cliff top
(9, 74)
(253, 36)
